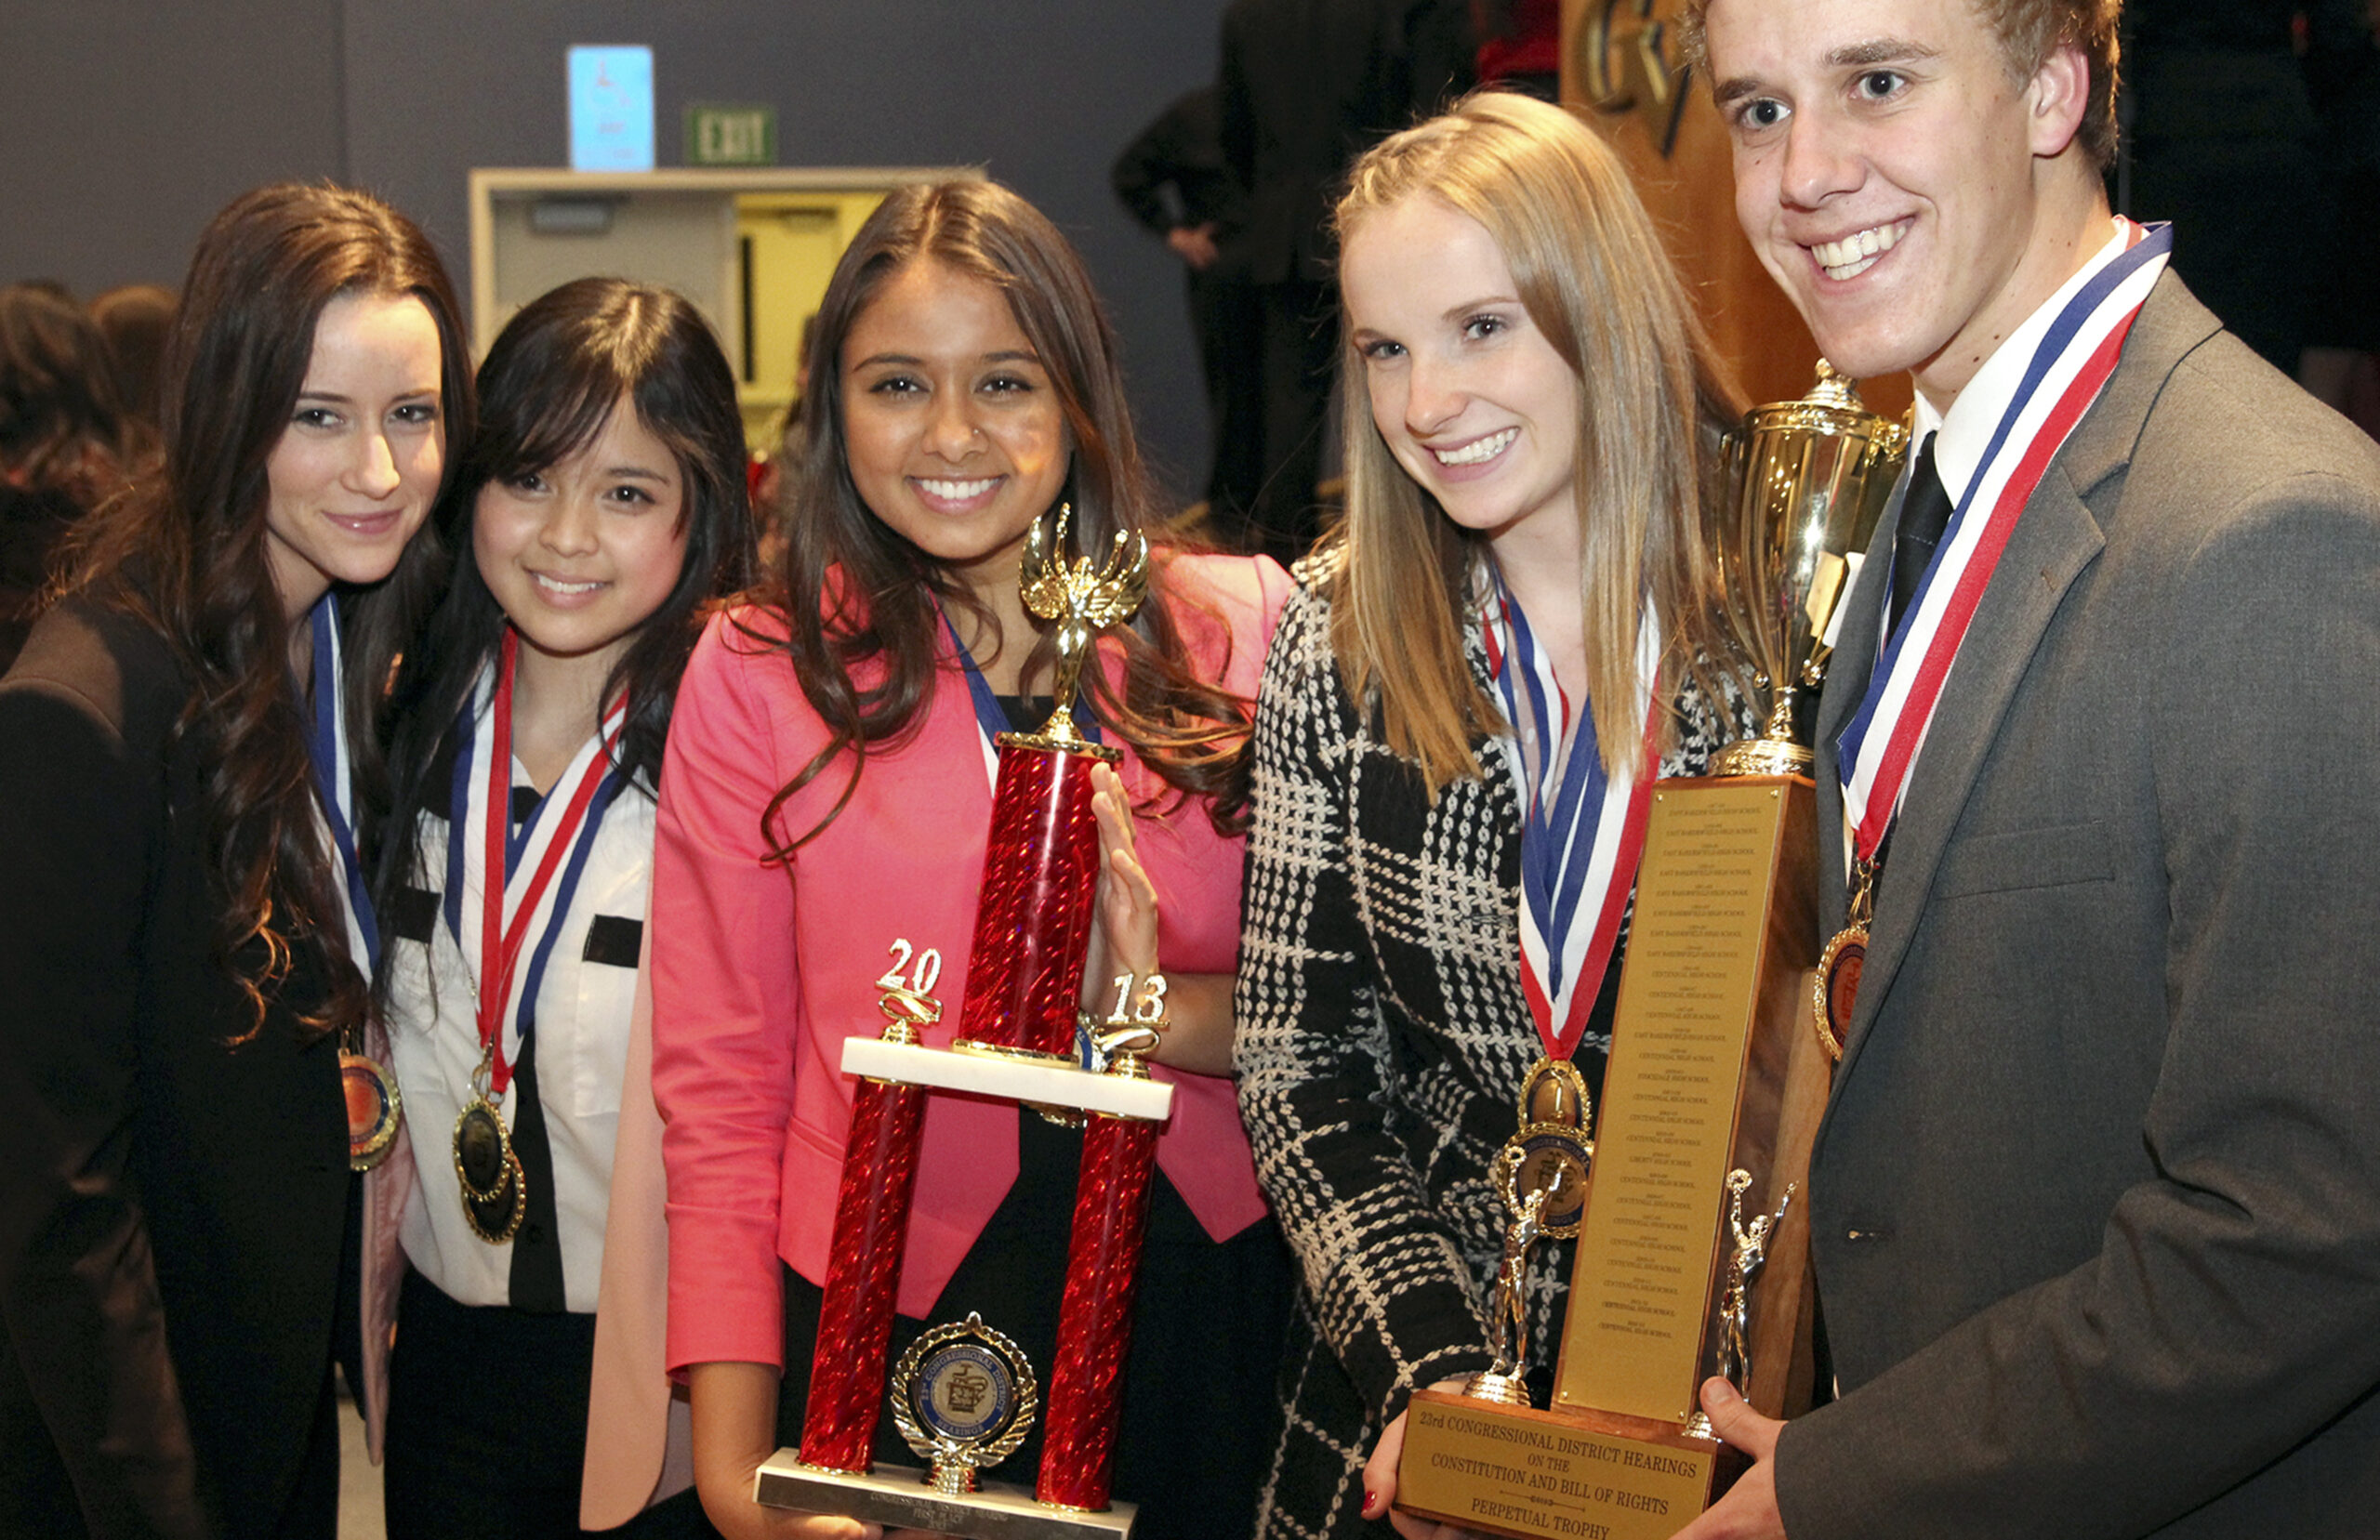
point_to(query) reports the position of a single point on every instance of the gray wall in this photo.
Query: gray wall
(126, 125)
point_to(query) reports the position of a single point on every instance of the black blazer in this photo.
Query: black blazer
(172, 1200)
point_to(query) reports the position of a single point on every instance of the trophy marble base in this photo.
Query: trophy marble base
(1029, 1080)
(1553, 1475)
(899, 1497)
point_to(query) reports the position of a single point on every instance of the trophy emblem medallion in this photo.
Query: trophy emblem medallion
(963, 1398)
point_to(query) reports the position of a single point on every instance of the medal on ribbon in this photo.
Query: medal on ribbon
(1880, 743)
(1582, 834)
(375, 1111)
(519, 898)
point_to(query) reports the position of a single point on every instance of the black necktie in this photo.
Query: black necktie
(1924, 513)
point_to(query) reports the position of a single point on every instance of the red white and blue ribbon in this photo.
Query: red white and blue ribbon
(1581, 832)
(525, 900)
(2065, 375)
(327, 746)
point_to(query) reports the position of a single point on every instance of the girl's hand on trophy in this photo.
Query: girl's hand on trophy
(1190, 1012)
(1748, 1510)
(734, 1410)
(1379, 1483)
(1126, 938)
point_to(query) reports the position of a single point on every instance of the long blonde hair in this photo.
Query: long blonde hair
(1652, 401)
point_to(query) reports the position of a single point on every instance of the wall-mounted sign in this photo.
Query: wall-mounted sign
(717, 135)
(611, 109)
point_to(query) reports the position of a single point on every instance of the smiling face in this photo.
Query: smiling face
(354, 473)
(952, 429)
(1914, 200)
(579, 554)
(1469, 396)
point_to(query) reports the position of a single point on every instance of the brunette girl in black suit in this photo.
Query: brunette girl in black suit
(185, 743)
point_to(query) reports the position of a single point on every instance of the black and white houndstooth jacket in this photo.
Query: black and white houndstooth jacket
(1383, 1039)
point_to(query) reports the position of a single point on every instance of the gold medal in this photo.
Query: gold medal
(1554, 1091)
(374, 1110)
(494, 1190)
(1552, 1158)
(1835, 992)
(1551, 1153)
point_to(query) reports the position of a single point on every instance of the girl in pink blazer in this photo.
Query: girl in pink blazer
(829, 789)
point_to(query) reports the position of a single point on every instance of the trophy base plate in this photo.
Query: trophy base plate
(898, 1496)
(1511, 1470)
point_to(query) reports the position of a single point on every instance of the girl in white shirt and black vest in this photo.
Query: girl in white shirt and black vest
(601, 511)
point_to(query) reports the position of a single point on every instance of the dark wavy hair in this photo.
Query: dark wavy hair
(63, 427)
(556, 372)
(854, 591)
(186, 554)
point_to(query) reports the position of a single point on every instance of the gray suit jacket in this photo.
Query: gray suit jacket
(2097, 1203)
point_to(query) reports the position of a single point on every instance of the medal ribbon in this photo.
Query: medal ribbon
(988, 715)
(2065, 375)
(1581, 834)
(517, 872)
(327, 746)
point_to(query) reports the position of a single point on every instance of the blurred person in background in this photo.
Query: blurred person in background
(1172, 180)
(135, 319)
(66, 442)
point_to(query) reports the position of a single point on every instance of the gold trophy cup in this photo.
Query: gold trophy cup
(1807, 481)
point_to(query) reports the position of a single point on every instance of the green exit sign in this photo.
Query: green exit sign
(731, 135)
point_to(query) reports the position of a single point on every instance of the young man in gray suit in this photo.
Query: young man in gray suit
(2097, 1203)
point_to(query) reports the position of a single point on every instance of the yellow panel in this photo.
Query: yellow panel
(794, 240)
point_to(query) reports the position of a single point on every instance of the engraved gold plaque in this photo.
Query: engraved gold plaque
(1514, 1471)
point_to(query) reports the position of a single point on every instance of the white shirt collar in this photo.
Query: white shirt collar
(1965, 433)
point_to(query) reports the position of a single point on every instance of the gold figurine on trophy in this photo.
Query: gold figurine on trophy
(1083, 601)
(1504, 1381)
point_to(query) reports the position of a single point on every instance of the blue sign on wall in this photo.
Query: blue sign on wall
(611, 109)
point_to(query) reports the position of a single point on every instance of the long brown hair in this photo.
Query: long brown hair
(186, 554)
(855, 593)
(1592, 276)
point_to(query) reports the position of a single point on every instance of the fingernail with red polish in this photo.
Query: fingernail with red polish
(1372, 1501)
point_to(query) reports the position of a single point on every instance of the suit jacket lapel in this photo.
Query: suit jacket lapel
(2056, 540)
(2053, 541)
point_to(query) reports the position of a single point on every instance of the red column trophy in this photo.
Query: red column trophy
(964, 1396)
(1692, 1254)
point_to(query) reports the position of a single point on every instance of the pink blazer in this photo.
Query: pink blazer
(759, 973)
